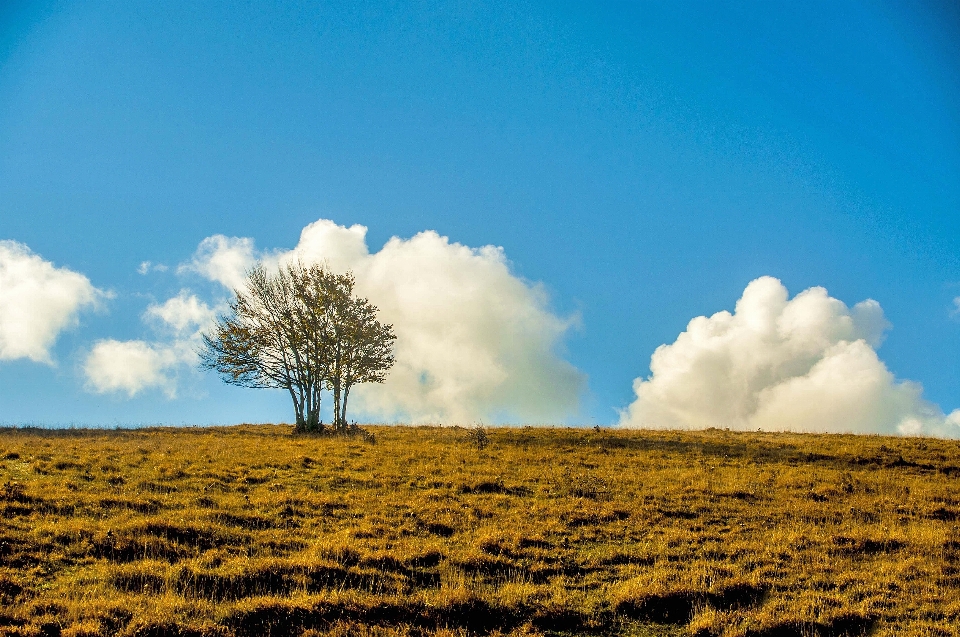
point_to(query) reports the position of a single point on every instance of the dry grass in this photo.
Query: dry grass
(252, 531)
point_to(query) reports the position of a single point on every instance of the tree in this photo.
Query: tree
(361, 352)
(301, 330)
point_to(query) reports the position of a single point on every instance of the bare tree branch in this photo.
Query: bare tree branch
(301, 330)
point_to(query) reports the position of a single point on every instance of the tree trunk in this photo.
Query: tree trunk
(308, 409)
(315, 416)
(298, 411)
(346, 394)
(337, 382)
(317, 400)
(337, 420)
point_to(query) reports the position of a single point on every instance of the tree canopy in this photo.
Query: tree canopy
(300, 329)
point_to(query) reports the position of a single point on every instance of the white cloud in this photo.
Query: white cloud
(37, 302)
(956, 307)
(147, 267)
(801, 364)
(134, 366)
(183, 313)
(473, 340)
(222, 259)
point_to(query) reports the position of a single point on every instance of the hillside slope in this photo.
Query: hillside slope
(250, 530)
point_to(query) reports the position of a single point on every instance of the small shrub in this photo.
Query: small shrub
(478, 437)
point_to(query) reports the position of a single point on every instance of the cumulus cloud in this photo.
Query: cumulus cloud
(222, 259)
(134, 366)
(473, 340)
(182, 313)
(38, 301)
(802, 364)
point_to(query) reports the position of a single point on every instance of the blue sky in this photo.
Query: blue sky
(644, 162)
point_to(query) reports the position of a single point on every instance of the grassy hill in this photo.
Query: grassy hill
(250, 530)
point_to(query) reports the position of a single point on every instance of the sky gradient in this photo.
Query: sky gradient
(639, 164)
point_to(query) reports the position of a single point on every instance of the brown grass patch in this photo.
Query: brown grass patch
(253, 531)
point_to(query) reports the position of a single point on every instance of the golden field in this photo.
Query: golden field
(250, 530)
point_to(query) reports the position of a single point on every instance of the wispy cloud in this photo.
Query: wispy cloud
(222, 259)
(134, 366)
(147, 267)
